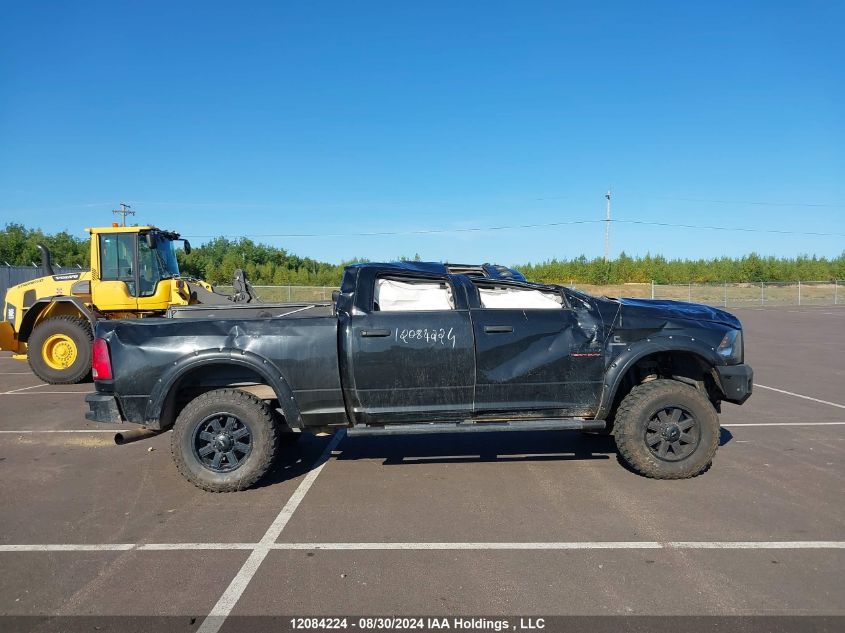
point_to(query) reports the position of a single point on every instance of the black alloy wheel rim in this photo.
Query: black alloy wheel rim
(222, 443)
(672, 434)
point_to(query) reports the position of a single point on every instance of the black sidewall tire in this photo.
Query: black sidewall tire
(77, 330)
(252, 412)
(641, 404)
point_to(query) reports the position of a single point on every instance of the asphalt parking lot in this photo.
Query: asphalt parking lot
(534, 524)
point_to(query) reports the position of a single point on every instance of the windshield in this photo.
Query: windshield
(166, 253)
(156, 263)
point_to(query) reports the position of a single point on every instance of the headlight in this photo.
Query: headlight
(731, 346)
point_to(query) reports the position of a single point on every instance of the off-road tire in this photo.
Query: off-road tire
(252, 413)
(638, 409)
(75, 328)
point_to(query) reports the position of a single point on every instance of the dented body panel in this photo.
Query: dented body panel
(351, 364)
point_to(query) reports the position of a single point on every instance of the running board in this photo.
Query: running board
(548, 424)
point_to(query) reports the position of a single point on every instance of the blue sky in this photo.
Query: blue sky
(267, 118)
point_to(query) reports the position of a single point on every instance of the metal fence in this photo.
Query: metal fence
(725, 294)
(288, 293)
(768, 293)
(771, 293)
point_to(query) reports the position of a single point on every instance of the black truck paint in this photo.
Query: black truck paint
(352, 367)
(346, 364)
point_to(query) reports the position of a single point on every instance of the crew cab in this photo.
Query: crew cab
(413, 347)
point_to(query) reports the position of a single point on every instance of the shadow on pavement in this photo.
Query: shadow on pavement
(451, 448)
(491, 446)
(295, 459)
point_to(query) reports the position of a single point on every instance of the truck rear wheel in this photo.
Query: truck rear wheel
(59, 350)
(666, 429)
(224, 440)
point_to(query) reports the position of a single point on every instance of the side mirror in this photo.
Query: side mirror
(150, 240)
(187, 246)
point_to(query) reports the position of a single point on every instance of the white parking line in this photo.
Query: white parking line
(30, 432)
(230, 597)
(783, 424)
(123, 547)
(470, 546)
(98, 547)
(13, 391)
(798, 395)
(37, 393)
(169, 547)
(573, 545)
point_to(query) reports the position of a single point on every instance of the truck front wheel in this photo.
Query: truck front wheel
(224, 440)
(666, 429)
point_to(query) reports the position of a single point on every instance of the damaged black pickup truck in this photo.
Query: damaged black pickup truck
(423, 348)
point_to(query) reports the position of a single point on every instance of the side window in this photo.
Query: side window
(515, 298)
(148, 267)
(412, 295)
(116, 255)
(116, 258)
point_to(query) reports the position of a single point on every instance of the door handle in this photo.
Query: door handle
(497, 329)
(375, 332)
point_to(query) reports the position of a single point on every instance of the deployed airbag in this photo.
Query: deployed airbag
(392, 295)
(518, 299)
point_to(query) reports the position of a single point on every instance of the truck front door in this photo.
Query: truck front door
(532, 353)
(410, 353)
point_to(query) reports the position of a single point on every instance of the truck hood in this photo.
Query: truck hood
(678, 310)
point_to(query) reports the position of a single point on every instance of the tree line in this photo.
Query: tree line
(217, 260)
(626, 269)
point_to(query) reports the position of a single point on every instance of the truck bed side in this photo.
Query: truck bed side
(154, 358)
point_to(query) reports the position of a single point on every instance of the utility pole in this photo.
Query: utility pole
(124, 211)
(607, 228)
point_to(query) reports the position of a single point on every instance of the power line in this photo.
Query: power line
(532, 226)
(755, 202)
(410, 232)
(730, 228)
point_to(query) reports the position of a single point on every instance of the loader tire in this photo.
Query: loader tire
(665, 429)
(224, 440)
(59, 350)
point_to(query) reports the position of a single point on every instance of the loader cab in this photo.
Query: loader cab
(135, 268)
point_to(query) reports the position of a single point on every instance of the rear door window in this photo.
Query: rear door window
(412, 295)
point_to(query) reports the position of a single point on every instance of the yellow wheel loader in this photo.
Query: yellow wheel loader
(50, 320)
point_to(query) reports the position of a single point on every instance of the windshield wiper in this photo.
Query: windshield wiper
(163, 270)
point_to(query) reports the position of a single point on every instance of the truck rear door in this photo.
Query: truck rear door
(410, 352)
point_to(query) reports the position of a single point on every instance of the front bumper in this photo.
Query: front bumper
(737, 382)
(103, 408)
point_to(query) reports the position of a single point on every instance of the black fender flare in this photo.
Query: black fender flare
(31, 315)
(620, 365)
(216, 356)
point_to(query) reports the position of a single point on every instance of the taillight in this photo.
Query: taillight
(100, 361)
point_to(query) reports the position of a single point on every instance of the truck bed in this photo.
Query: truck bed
(252, 310)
